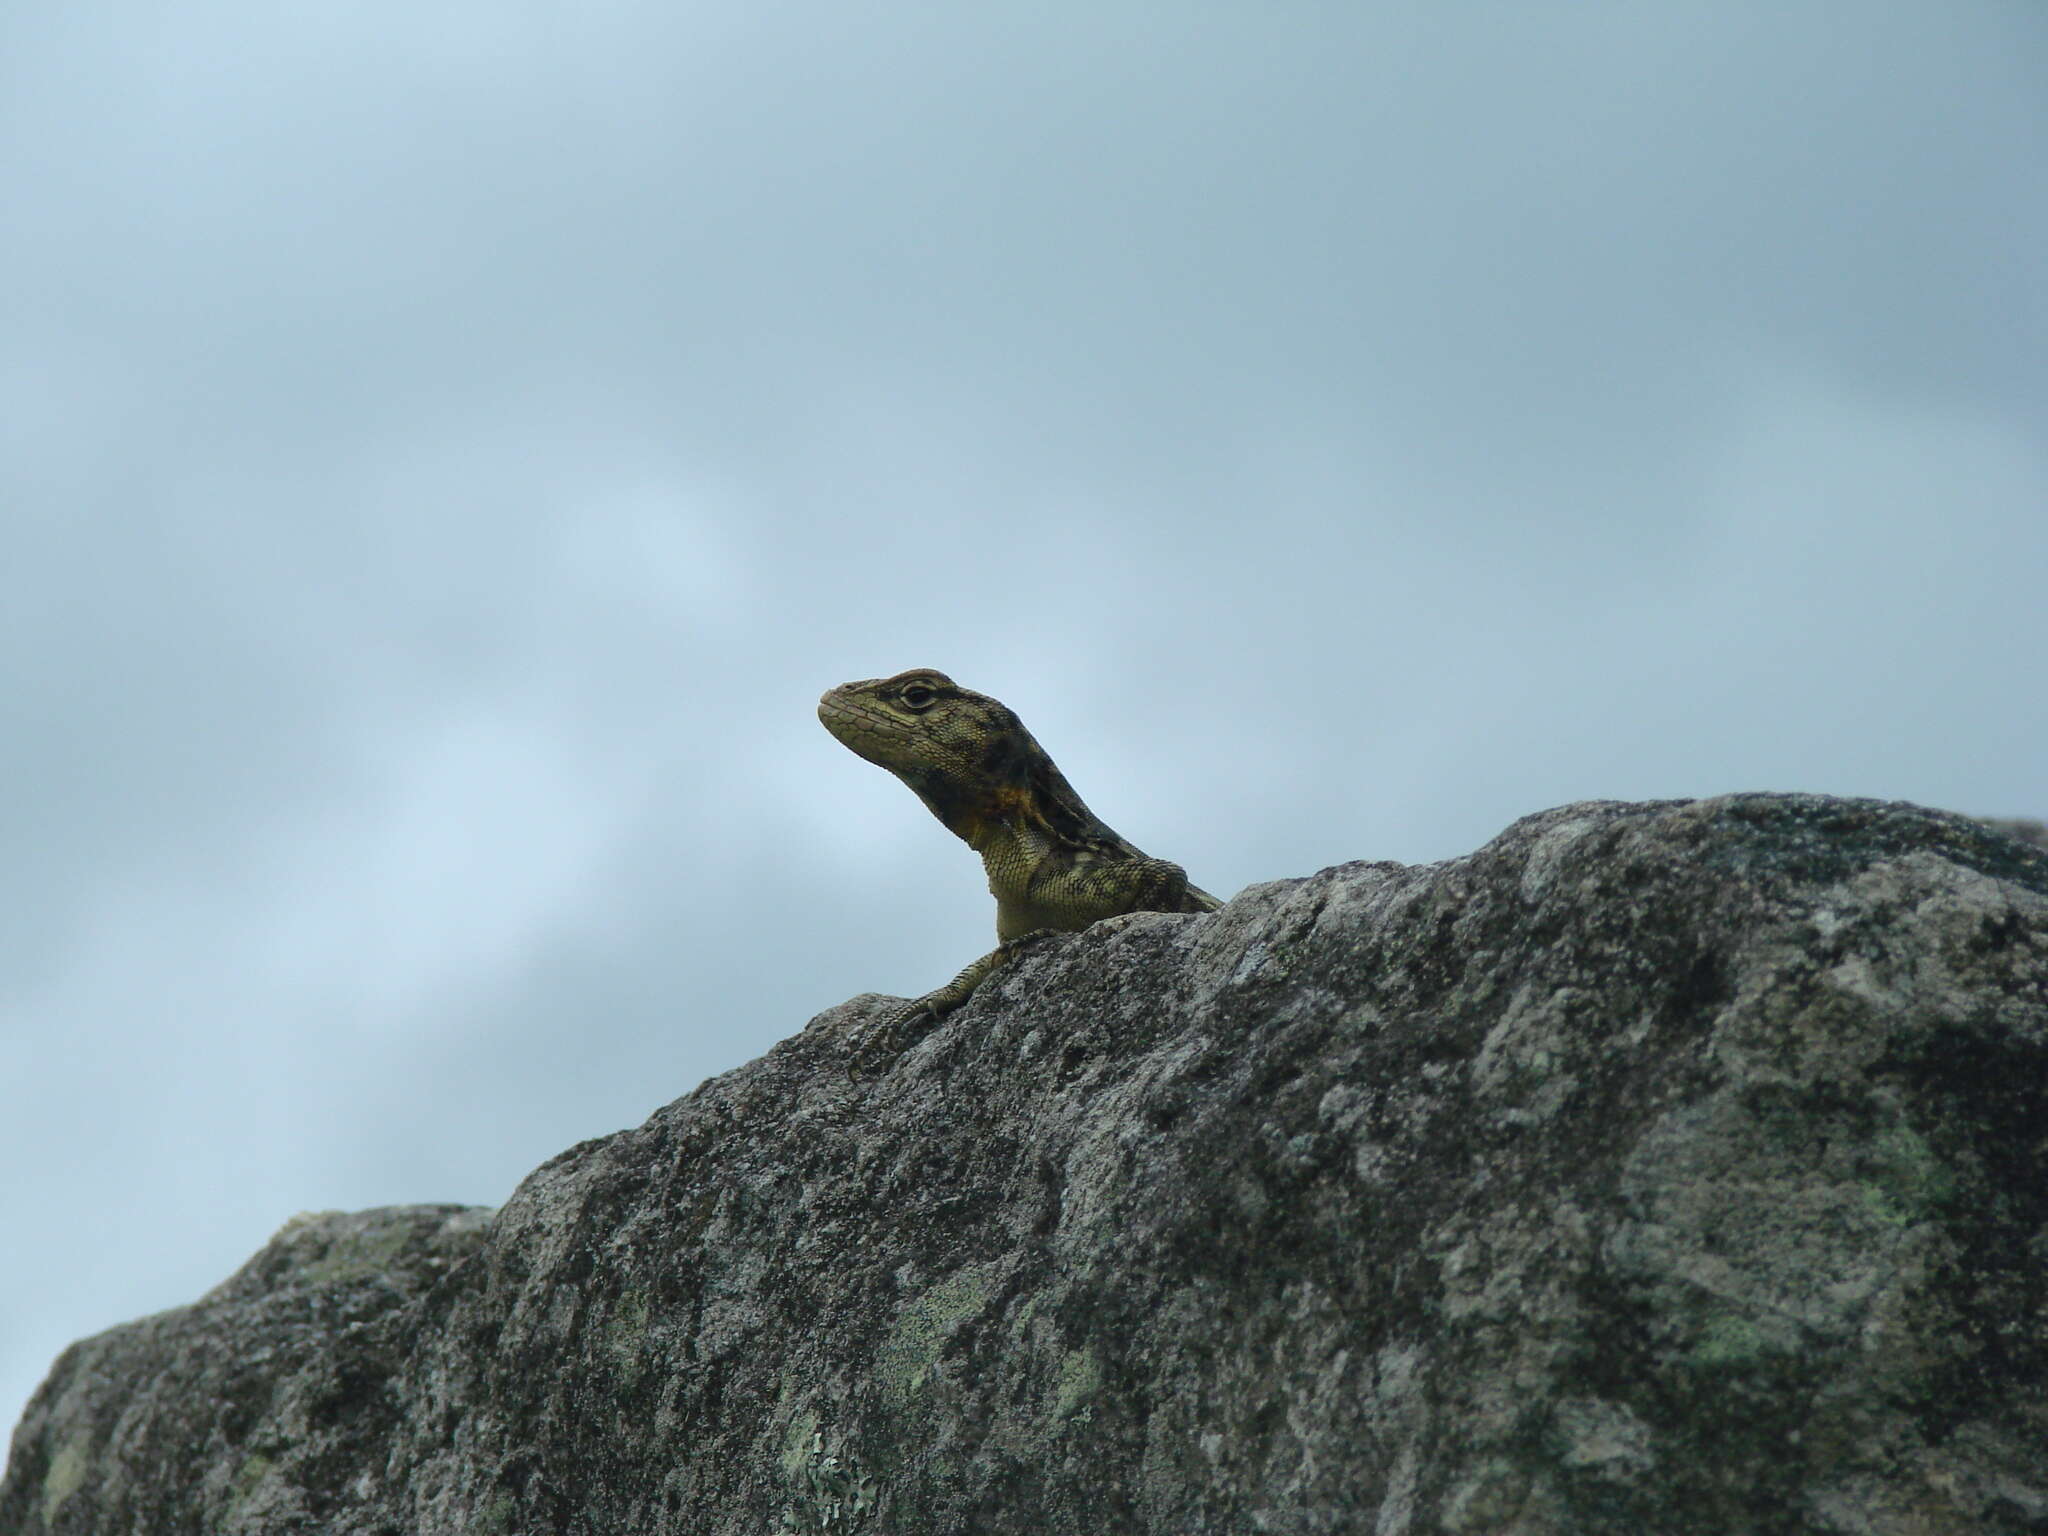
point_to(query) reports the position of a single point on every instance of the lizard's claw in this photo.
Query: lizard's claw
(887, 1040)
(1009, 947)
(893, 1036)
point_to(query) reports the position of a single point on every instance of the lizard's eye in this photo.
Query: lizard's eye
(918, 696)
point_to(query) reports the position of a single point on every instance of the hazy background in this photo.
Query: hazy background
(445, 450)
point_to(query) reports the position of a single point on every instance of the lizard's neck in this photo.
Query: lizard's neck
(983, 816)
(1014, 844)
(1000, 820)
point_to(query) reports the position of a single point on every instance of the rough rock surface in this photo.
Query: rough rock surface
(1666, 1168)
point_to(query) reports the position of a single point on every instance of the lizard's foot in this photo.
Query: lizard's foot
(877, 1048)
(1007, 950)
(881, 1045)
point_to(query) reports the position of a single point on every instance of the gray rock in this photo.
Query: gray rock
(2025, 828)
(1661, 1168)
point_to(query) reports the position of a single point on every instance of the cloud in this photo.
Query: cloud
(445, 453)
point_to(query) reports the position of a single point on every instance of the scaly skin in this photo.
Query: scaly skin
(1053, 866)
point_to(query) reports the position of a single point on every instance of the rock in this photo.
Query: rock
(1677, 1167)
(249, 1410)
(2024, 828)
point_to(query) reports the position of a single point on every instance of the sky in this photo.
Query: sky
(446, 449)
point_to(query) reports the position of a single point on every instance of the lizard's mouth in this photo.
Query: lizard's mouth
(863, 731)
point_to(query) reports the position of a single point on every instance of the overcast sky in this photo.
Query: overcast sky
(446, 449)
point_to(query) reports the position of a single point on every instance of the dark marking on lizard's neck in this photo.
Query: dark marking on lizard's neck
(1012, 786)
(1053, 803)
(960, 805)
(974, 800)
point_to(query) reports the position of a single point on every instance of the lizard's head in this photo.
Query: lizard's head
(954, 747)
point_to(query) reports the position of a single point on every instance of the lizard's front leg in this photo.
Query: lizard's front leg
(890, 1038)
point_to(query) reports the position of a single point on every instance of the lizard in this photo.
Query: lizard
(1053, 866)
